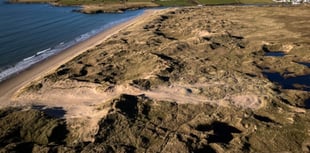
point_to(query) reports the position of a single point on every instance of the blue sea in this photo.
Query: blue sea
(30, 33)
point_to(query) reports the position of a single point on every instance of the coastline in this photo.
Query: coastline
(11, 85)
(178, 80)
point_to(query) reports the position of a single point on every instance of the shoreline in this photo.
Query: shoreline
(178, 80)
(12, 84)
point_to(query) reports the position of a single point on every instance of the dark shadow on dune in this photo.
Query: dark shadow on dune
(23, 147)
(59, 133)
(263, 118)
(204, 149)
(128, 105)
(57, 112)
(222, 132)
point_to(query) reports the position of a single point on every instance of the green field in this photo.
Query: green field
(80, 2)
(159, 2)
(255, 1)
(218, 1)
(165, 2)
(213, 2)
(175, 2)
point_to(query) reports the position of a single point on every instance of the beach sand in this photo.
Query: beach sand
(176, 80)
(79, 105)
(10, 86)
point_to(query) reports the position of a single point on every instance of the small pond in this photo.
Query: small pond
(307, 104)
(275, 54)
(289, 83)
(304, 63)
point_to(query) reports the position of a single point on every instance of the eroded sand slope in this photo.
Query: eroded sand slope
(188, 80)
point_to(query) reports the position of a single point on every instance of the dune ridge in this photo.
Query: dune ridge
(193, 79)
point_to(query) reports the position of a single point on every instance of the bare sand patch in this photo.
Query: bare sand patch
(248, 101)
(189, 78)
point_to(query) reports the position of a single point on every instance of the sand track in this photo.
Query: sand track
(189, 78)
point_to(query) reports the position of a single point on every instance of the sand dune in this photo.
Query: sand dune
(9, 87)
(194, 79)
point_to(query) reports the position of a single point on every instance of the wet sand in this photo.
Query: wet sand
(182, 80)
(10, 86)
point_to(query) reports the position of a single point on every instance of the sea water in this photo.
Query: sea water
(30, 33)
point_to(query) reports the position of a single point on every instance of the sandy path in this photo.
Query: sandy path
(79, 111)
(13, 84)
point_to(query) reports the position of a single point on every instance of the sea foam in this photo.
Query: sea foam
(44, 54)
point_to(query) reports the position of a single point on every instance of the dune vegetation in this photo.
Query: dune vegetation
(193, 79)
(111, 6)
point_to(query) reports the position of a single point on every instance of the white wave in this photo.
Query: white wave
(29, 58)
(24, 64)
(41, 55)
(43, 51)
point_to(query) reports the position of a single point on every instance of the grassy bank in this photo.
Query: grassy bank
(157, 2)
(177, 80)
(219, 2)
(112, 6)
